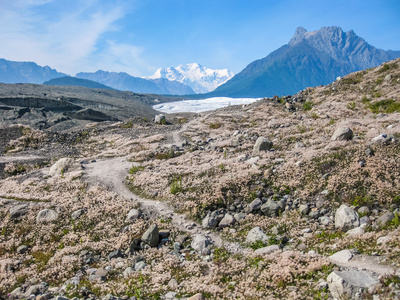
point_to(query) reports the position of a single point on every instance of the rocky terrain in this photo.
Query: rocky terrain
(293, 197)
(60, 108)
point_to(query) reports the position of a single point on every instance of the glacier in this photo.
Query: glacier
(197, 106)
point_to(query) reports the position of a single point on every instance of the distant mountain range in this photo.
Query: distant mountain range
(25, 72)
(198, 77)
(309, 59)
(73, 81)
(126, 82)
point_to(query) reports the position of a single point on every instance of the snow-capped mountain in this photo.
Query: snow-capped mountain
(199, 78)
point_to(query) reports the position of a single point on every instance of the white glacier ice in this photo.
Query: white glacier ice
(198, 106)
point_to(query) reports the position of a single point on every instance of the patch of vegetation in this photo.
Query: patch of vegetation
(351, 105)
(134, 169)
(387, 67)
(176, 185)
(18, 169)
(125, 125)
(42, 258)
(379, 80)
(385, 106)
(221, 254)
(215, 125)
(307, 105)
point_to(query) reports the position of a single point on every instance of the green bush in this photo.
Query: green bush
(385, 106)
(308, 105)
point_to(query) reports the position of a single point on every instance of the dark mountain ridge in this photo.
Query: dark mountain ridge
(309, 59)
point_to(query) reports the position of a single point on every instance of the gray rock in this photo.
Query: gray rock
(61, 298)
(62, 166)
(173, 284)
(115, 254)
(325, 220)
(341, 257)
(209, 222)
(342, 134)
(46, 215)
(239, 216)
(78, 213)
(255, 205)
(267, 250)
(170, 295)
(349, 284)
(22, 249)
(256, 234)
(151, 236)
(140, 266)
(262, 144)
(270, 208)
(227, 221)
(200, 242)
(18, 211)
(356, 231)
(133, 215)
(314, 214)
(363, 210)
(385, 219)
(304, 209)
(365, 221)
(346, 218)
(380, 139)
(369, 152)
(159, 119)
(33, 290)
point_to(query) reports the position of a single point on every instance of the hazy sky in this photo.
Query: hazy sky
(138, 37)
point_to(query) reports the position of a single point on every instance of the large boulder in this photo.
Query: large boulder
(209, 222)
(46, 215)
(200, 242)
(255, 205)
(159, 119)
(385, 219)
(62, 166)
(262, 144)
(270, 208)
(151, 236)
(18, 211)
(133, 215)
(226, 221)
(350, 284)
(256, 234)
(342, 134)
(346, 218)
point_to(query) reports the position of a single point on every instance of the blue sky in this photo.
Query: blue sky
(138, 37)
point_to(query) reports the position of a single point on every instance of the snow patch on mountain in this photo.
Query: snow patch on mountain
(198, 77)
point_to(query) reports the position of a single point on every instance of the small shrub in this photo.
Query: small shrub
(215, 125)
(176, 185)
(134, 169)
(307, 105)
(379, 80)
(257, 245)
(351, 105)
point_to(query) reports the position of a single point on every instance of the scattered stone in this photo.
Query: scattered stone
(164, 234)
(256, 234)
(346, 218)
(151, 236)
(227, 221)
(270, 208)
(115, 254)
(304, 209)
(46, 215)
(197, 297)
(356, 231)
(369, 152)
(349, 284)
(22, 249)
(364, 210)
(364, 221)
(255, 205)
(78, 213)
(62, 166)
(199, 243)
(170, 295)
(380, 139)
(239, 216)
(209, 222)
(385, 218)
(140, 266)
(267, 250)
(159, 119)
(314, 214)
(18, 211)
(173, 284)
(262, 144)
(341, 257)
(325, 220)
(133, 215)
(342, 134)
(383, 239)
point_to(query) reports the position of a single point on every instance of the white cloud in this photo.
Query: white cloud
(66, 37)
